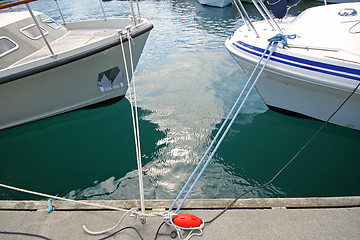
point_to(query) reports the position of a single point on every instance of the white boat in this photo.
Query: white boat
(336, 1)
(215, 3)
(79, 64)
(315, 72)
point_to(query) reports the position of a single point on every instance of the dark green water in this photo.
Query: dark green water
(186, 85)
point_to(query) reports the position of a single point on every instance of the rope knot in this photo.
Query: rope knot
(281, 38)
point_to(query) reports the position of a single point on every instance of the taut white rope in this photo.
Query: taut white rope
(127, 212)
(60, 198)
(134, 114)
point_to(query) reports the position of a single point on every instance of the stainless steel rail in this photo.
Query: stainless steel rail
(264, 12)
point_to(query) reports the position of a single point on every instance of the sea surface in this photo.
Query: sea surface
(187, 83)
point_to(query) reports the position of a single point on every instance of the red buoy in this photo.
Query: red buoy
(187, 220)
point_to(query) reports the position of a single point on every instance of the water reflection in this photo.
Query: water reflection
(186, 85)
(187, 82)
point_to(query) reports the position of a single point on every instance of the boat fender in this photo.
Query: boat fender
(292, 3)
(278, 8)
(187, 220)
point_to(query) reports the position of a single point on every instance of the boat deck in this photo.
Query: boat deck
(299, 218)
(73, 39)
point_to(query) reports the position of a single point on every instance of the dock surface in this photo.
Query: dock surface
(262, 218)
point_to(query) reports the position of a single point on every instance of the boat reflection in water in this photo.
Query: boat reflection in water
(215, 3)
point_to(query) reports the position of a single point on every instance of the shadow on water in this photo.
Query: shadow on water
(73, 150)
(327, 167)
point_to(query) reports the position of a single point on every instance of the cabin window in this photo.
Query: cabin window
(7, 45)
(33, 32)
(51, 23)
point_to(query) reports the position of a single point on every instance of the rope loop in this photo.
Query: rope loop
(136, 214)
(281, 38)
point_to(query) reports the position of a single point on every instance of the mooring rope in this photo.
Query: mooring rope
(291, 160)
(109, 229)
(60, 198)
(139, 162)
(272, 42)
(168, 216)
(134, 114)
(139, 215)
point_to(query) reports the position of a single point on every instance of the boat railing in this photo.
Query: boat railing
(26, 2)
(264, 12)
(244, 15)
(14, 4)
(269, 15)
(136, 19)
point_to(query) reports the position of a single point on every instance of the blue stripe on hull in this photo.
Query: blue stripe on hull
(312, 64)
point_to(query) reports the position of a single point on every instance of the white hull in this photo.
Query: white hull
(71, 84)
(215, 3)
(337, 1)
(309, 82)
(301, 96)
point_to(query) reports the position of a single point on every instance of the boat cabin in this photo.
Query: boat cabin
(20, 37)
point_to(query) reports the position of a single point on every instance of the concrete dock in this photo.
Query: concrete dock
(262, 218)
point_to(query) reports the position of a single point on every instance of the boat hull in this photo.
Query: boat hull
(315, 73)
(216, 3)
(291, 89)
(68, 86)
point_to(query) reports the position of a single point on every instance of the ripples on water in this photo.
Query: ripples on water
(186, 85)
(184, 80)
